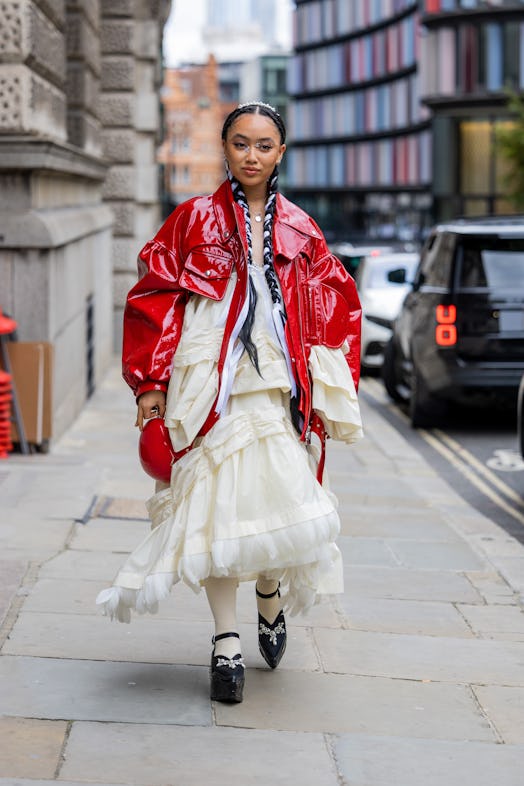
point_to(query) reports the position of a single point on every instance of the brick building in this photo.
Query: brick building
(191, 153)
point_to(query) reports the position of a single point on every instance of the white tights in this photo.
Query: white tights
(222, 596)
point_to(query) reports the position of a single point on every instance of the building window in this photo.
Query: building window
(475, 148)
(482, 170)
(493, 57)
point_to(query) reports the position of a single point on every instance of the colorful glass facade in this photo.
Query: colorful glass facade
(473, 51)
(360, 135)
(395, 109)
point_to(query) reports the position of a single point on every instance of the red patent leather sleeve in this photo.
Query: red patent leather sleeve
(153, 318)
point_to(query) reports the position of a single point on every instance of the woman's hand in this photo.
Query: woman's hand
(150, 405)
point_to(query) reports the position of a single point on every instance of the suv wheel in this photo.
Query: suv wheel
(389, 374)
(425, 410)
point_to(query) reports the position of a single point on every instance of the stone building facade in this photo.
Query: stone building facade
(79, 189)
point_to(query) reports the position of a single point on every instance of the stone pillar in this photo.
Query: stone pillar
(83, 75)
(131, 77)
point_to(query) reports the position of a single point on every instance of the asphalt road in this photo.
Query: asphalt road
(476, 452)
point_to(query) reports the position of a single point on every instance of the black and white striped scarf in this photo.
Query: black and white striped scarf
(279, 313)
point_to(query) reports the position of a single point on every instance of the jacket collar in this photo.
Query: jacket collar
(292, 228)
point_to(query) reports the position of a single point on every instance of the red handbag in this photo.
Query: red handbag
(155, 450)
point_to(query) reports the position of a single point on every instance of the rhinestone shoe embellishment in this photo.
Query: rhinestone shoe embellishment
(230, 663)
(271, 632)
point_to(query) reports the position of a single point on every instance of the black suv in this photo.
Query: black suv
(460, 333)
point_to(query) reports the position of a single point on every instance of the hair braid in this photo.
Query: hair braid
(269, 270)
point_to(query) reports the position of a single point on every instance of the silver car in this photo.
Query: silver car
(383, 280)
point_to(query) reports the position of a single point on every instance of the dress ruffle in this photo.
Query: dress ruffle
(334, 394)
(214, 521)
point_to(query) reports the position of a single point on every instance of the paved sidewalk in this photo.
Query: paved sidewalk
(415, 676)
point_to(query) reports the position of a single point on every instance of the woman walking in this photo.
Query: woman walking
(243, 333)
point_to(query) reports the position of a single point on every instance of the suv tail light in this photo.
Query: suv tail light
(446, 329)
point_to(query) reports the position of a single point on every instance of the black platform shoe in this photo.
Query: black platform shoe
(227, 674)
(272, 637)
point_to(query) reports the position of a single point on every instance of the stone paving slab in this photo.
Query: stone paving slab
(505, 707)
(377, 486)
(60, 689)
(31, 782)
(421, 657)
(457, 556)
(366, 551)
(495, 622)
(146, 639)
(120, 508)
(72, 564)
(380, 507)
(30, 748)
(335, 703)
(404, 616)
(37, 538)
(56, 505)
(109, 535)
(156, 756)
(419, 524)
(492, 587)
(377, 761)
(512, 568)
(408, 584)
(12, 573)
(64, 596)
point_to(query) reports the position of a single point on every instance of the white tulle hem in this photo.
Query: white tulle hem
(304, 574)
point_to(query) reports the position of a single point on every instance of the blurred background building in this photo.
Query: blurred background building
(361, 139)
(472, 51)
(244, 61)
(393, 111)
(191, 152)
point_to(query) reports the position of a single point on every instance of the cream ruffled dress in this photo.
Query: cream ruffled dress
(245, 500)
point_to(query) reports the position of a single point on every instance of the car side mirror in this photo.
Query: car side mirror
(397, 276)
(420, 278)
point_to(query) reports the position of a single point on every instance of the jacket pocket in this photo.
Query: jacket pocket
(327, 315)
(207, 272)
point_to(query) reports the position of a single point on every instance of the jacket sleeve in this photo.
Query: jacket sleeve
(153, 318)
(333, 308)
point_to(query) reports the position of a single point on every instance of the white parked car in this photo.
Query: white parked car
(383, 280)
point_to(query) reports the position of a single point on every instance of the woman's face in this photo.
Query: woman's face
(252, 149)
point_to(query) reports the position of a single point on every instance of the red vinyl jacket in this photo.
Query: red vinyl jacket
(194, 252)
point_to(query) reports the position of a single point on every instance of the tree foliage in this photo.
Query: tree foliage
(510, 144)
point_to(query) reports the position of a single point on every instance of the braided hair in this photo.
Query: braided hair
(240, 197)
